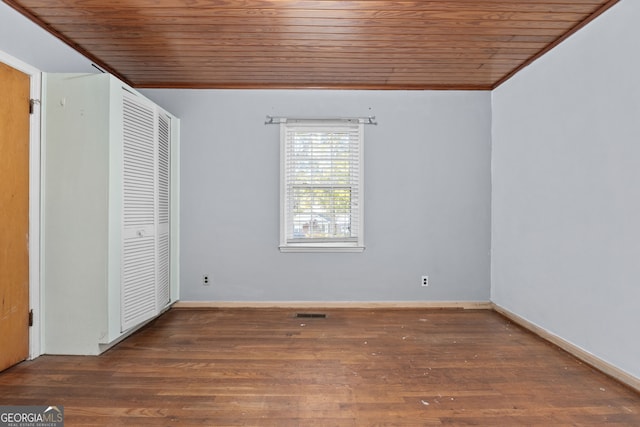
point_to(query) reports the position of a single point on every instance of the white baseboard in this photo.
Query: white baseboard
(572, 349)
(466, 305)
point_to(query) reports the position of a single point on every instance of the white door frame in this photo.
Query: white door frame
(35, 332)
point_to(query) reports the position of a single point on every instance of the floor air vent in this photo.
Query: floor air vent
(311, 315)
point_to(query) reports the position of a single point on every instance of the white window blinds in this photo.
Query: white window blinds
(321, 184)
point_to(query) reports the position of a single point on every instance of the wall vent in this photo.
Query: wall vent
(311, 315)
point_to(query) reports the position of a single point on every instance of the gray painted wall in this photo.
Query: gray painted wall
(566, 190)
(427, 197)
(427, 188)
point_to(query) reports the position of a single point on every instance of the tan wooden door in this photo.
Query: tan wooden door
(14, 216)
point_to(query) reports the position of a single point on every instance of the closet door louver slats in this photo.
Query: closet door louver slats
(164, 127)
(139, 213)
(139, 281)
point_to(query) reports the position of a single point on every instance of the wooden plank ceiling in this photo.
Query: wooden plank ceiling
(361, 44)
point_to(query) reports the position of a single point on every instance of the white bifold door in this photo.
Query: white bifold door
(164, 207)
(145, 254)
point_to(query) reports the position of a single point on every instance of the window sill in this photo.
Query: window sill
(321, 248)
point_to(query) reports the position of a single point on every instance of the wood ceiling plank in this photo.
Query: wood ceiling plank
(294, 45)
(269, 25)
(295, 62)
(373, 51)
(441, 76)
(179, 34)
(337, 17)
(89, 31)
(329, 71)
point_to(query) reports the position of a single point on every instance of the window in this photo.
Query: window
(321, 186)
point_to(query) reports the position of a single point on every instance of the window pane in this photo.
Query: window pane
(321, 182)
(321, 212)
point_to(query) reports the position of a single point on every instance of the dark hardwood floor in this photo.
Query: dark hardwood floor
(378, 367)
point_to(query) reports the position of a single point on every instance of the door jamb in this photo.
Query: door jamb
(35, 294)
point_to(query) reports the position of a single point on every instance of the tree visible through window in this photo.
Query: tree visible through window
(321, 184)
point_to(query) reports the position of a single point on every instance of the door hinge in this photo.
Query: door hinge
(30, 317)
(32, 103)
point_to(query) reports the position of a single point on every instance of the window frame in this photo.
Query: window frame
(322, 245)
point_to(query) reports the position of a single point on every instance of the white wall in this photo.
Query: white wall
(566, 190)
(427, 197)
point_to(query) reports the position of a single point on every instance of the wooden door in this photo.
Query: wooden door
(14, 216)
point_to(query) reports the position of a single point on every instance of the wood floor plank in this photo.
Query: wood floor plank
(362, 367)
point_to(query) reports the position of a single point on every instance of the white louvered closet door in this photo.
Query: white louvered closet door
(164, 138)
(139, 212)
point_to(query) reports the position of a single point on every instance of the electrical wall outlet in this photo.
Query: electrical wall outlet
(205, 280)
(425, 281)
